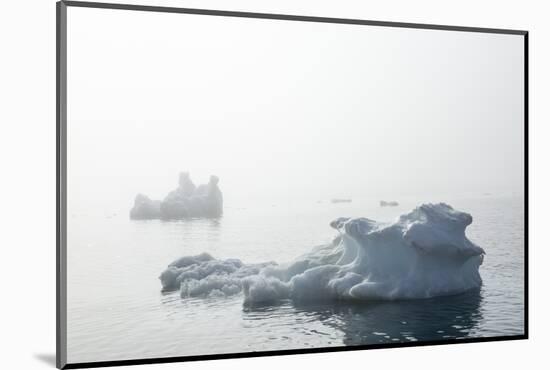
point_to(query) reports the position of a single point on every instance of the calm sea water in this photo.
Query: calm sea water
(116, 309)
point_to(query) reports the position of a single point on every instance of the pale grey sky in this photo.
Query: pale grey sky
(279, 108)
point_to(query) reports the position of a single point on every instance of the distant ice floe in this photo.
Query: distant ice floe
(424, 253)
(185, 201)
(340, 200)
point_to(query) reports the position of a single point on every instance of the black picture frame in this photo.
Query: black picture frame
(61, 185)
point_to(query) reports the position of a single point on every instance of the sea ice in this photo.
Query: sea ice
(424, 253)
(185, 201)
(145, 208)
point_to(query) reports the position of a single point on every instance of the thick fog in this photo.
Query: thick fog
(287, 110)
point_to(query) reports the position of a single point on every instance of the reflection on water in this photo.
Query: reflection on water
(401, 321)
(186, 223)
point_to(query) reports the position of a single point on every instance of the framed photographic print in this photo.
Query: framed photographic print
(236, 184)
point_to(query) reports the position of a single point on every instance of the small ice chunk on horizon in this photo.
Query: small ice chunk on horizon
(186, 201)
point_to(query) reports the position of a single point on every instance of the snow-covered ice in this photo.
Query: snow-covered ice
(186, 200)
(424, 253)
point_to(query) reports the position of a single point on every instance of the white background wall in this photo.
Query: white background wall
(27, 188)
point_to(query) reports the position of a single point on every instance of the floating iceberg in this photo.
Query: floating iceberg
(340, 200)
(185, 201)
(145, 208)
(423, 254)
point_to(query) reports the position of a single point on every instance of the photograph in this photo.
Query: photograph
(244, 184)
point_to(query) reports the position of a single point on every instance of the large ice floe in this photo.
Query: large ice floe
(185, 201)
(423, 254)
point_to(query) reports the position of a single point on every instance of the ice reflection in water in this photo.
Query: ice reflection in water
(382, 322)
